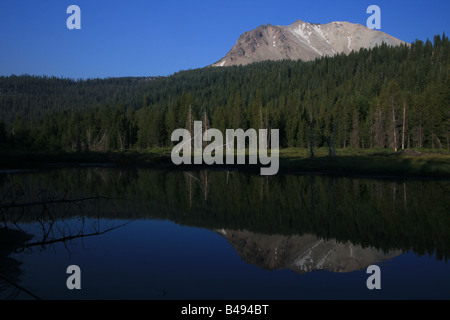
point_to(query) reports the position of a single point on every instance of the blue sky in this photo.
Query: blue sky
(155, 37)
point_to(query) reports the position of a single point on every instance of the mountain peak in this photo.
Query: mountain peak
(303, 40)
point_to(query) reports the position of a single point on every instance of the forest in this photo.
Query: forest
(385, 97)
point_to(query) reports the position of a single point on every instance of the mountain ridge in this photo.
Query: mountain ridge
(304, 41)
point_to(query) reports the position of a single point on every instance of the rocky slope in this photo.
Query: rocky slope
(302, 40)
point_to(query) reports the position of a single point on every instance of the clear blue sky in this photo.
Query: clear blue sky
(156, 37)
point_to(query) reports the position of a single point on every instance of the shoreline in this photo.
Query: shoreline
(385, 165)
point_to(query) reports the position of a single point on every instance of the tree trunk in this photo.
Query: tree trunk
(206, 128)
(354, 136)
(311, 133)
(394, 126)
(331, 147)
(189, 125)
(420, 131)
(404, 125)
(121, 141)
(88, 136)
(437, 139)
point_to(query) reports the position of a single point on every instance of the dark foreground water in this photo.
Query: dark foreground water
(143, 234)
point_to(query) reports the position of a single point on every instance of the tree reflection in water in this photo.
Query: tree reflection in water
(284, 217)
(43, 229)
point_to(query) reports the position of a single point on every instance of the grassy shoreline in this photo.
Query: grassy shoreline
(348, 162)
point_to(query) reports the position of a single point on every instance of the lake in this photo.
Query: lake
(138, 233)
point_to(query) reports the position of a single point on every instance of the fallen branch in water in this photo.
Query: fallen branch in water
(68, 238)
(31, 204)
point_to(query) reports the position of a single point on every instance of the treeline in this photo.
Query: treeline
(385, 97)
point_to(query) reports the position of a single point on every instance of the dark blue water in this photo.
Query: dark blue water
(153, 259)
(161, 259)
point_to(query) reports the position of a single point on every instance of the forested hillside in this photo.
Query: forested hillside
(33, 97)
(386, 97)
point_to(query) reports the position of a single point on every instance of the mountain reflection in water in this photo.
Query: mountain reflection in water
(300, 223)
(303, 253)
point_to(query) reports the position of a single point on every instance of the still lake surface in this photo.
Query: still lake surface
(138, 233)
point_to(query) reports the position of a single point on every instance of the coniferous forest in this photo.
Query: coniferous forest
(385, 97)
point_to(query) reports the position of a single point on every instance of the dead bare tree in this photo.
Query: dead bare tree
(311, 135)
(394, 125)
(404, 125)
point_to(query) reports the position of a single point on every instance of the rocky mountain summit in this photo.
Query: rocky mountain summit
(303, 40)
